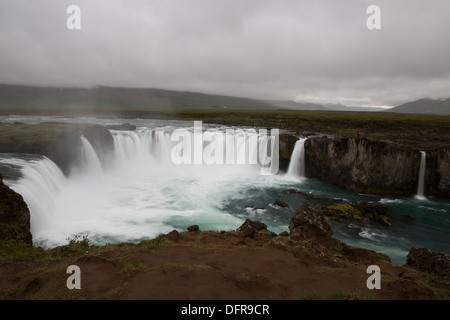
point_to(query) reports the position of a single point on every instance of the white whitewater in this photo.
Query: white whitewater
(420, 185)
(296, 167)
(137, 193)
(40, 185)
(91, 163)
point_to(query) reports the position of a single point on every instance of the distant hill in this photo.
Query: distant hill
(112, 97)
(293, 105)
(133, 98)
(424, 106)
(341, 107)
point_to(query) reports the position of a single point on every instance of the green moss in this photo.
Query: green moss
(385, 221)
(344, 211)
(79, 243)
(340, 243)
(11, 250)
(132, 267)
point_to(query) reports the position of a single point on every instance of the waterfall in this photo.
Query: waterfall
(297, 163)
(139, 191)
(40, 184)
(145, 146)
(91, 164)
(420, 185)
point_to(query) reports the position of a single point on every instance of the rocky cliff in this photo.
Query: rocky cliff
(14, 216)
(437, 174)
(375, 167)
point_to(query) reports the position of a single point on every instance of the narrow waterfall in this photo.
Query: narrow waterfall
(91, 163)
(297, 163)
(420, 185)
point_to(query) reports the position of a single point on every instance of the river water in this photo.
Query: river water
(139, 193)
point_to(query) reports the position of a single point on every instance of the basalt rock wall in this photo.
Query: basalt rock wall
(376, 167)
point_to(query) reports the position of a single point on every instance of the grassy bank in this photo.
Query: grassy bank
(420, 130)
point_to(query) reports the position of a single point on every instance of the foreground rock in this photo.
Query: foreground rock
(309, 223)
(362, 211)
(428, 261)
(215, 265)
(14, 216)
(250, 228)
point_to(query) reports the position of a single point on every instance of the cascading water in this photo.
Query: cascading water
(139, 192)
(40, 185)
(420, 185)
(91, 163)
(297, 163)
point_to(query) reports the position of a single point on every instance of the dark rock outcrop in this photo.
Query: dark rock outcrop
(361, 211)
(309, 223)
(437, 173)
(280, 204)
(286, 146)
(249, 228)
(428, 261)
(173, 235)
(14, 216)
(287, 143)
(193, 228)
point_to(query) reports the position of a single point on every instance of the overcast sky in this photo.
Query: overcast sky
(305, 50)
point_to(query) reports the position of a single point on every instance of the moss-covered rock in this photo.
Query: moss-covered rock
(309, 223)
(14, 216)
(339, 211)
(362, 211)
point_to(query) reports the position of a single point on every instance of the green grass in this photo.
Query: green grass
(420, 130)
(185, 266)
(132, 267)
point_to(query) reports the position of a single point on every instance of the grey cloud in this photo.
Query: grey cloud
(291, 49)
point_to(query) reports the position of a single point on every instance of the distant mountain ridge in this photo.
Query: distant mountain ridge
(134, 98)
(424, 106)
(149, 98)
(341, 107)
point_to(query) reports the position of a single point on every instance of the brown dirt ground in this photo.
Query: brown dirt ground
(213, 265)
